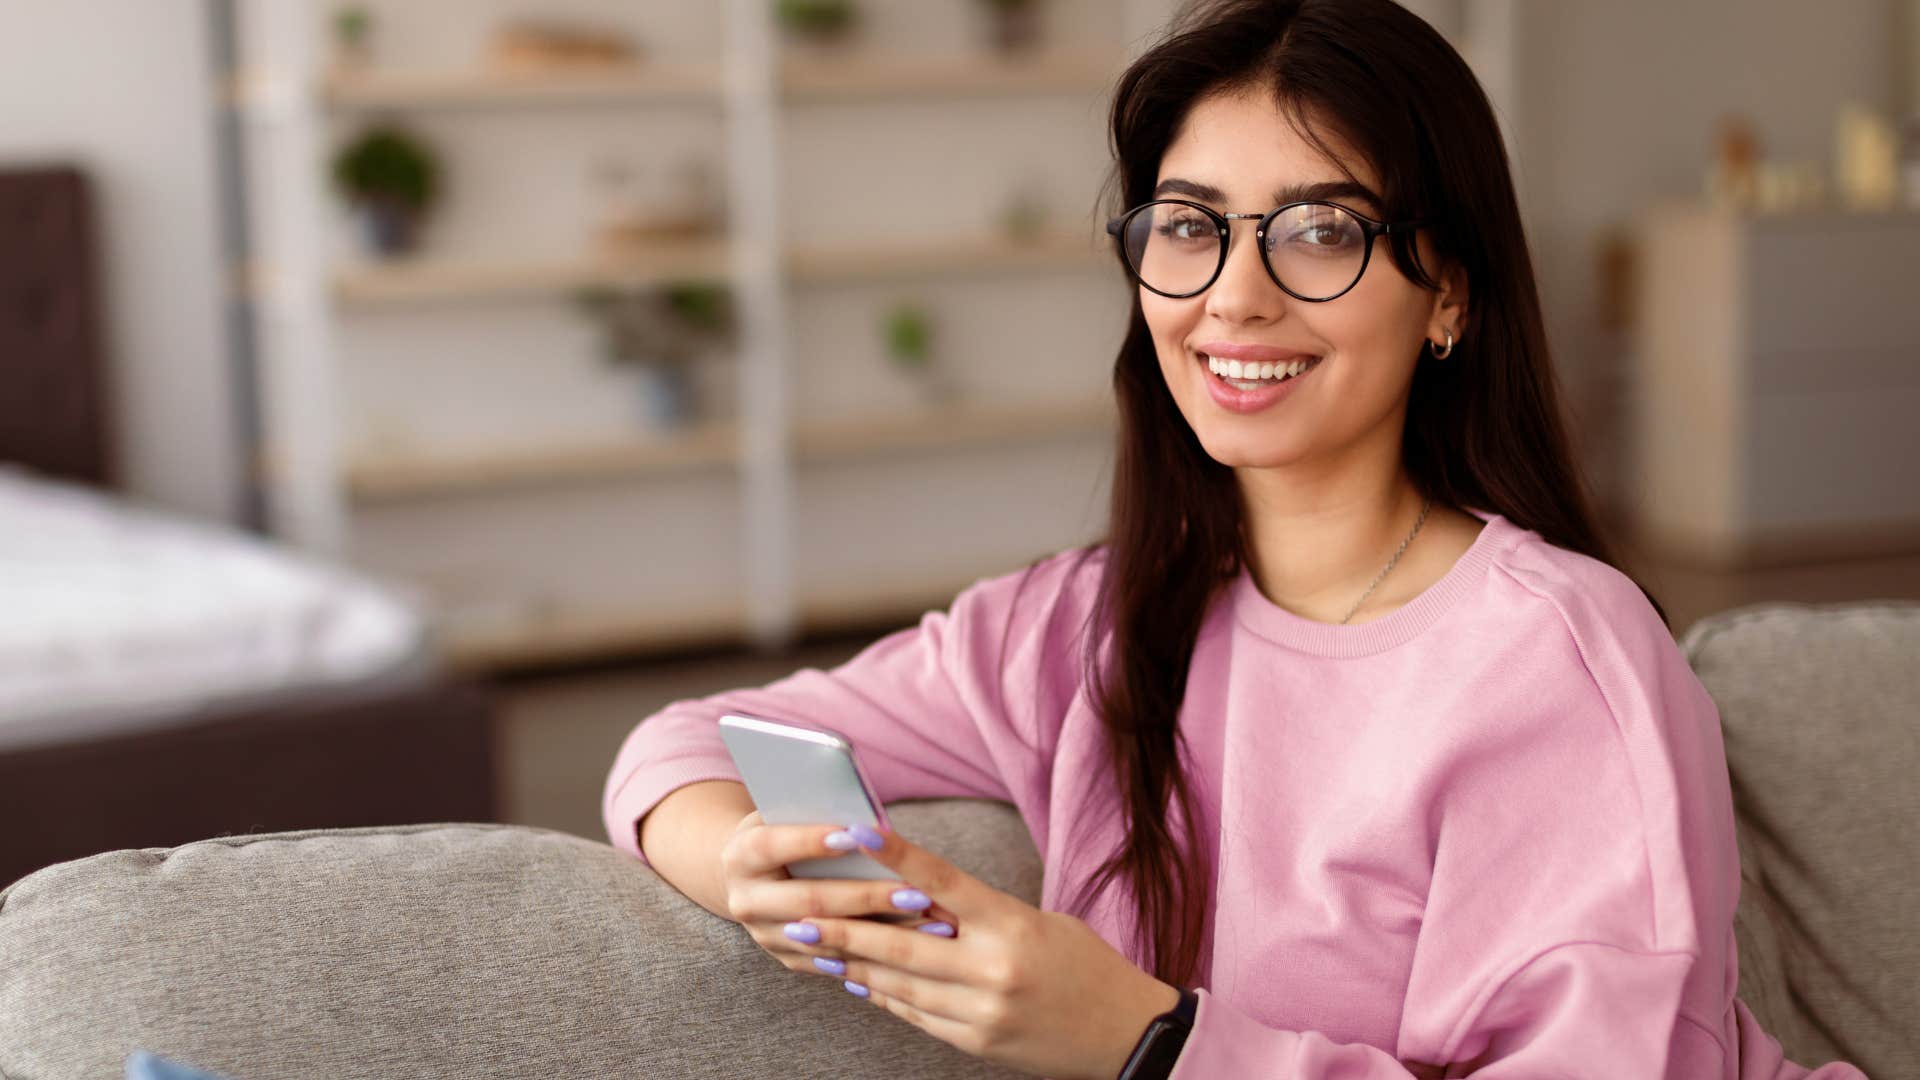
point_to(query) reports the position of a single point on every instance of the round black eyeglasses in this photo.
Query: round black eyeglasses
(1315, 251)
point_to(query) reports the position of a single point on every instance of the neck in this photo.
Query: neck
(1316, 545)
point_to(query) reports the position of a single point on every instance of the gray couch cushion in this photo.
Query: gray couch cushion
(440, 951)
(1821, 712)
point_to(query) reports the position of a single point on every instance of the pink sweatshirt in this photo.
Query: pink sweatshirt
(1493, 827)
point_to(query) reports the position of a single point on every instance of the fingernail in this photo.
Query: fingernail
(868, 839)
(855, 988)
(804, 933)
(938, 929)
(911, 900)
(829, 965)
(842, 841)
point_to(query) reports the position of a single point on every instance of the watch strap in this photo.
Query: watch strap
(1154, 1056)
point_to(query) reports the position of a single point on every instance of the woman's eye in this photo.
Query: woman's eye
(1324, 237)
(1187, 229)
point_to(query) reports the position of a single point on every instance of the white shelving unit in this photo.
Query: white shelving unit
(444, 421)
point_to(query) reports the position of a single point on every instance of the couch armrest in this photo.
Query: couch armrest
(453, 950)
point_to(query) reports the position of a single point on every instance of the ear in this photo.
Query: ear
(1449, 315)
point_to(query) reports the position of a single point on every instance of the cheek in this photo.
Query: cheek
(1171, 323)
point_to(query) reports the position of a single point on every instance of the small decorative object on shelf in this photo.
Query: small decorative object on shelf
(352, 37)
(1865, 159)
(1791, 186)
(818, 22)
(1024, 217)
(392, 180)
(662, 332)
(538, 46)
(1733, 180)
(630, 218)
(909, 331)
(1015, 24)
(1910, 162)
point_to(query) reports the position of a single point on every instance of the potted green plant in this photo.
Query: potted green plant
(818, 21)
(908, 329)
(1014, 24)
(352, 36)
(660, 333)
(392, 179)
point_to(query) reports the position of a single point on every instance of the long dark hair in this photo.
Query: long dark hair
(1483, 428)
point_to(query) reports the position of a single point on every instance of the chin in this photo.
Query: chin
(1247, 450)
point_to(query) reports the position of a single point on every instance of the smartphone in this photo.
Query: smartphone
(800, 775)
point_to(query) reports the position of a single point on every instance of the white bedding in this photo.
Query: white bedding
(114, 617)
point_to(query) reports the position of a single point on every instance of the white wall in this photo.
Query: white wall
(1618, 105)
(122, 88)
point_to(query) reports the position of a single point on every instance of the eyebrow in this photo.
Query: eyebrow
(1314, 192)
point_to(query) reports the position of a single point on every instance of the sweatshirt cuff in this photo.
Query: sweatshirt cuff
(1225, 1041)
(646, 786)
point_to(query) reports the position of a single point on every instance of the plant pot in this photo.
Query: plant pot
(389, 227)
(665, 396)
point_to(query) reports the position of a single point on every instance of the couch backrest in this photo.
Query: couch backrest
(1820, 707)
(440, 951)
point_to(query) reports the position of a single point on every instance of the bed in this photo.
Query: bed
(164, 679)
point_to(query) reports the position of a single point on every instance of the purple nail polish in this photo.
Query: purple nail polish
(830, 965)
(842, 841)
(855, 988)
(911, 900)
(868, 839)
(804, 933)
(938, 929)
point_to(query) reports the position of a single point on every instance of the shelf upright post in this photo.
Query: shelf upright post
(756, 246)
(1492, 50)
(307, 504)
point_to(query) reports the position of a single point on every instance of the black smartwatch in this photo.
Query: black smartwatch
(1159, 1047)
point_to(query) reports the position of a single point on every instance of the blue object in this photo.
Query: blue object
(145, 1065)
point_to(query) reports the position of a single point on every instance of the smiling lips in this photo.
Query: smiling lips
(1251, 378)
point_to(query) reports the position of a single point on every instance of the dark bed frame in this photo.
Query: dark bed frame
(402, 751)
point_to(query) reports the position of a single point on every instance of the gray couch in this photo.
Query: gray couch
(486, 950)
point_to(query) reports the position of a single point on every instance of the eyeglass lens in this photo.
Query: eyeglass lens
(1316, 249)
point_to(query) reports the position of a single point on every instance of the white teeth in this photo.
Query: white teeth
(1250, 374)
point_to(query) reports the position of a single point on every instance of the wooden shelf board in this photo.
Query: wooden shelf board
(858, 76)
(483, 86)
(952, 255)
(563, 637)
(949, 426)
(558, 638)
(376, 479)
(417, 280)
(372, 479)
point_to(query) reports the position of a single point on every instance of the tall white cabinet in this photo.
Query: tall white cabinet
(1778, 375)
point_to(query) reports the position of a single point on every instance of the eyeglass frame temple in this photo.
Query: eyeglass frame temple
(1373, 228)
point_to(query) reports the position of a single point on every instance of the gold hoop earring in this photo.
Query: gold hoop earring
(1442, 354)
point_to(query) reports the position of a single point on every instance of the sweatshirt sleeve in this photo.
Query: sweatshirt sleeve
(1578, 917)
(923, 707)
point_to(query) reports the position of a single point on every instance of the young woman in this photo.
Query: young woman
(1349, 751)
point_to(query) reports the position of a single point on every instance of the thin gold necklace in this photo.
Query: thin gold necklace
(1421, 520)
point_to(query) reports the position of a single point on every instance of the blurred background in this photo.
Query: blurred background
(401, 400)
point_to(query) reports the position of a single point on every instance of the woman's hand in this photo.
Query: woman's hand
(1033, 990)
(765, 899)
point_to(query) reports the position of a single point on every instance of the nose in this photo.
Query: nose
(1244, 292)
